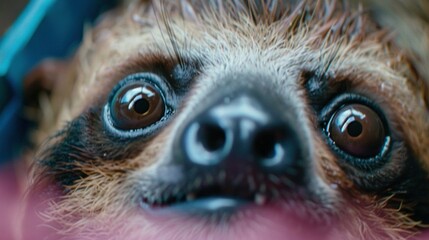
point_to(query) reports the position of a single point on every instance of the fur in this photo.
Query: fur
(340, 45)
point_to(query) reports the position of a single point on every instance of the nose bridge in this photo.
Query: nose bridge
(241, 113)
(239, 107)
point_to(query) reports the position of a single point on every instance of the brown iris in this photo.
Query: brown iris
(136, 106)
(357, 130)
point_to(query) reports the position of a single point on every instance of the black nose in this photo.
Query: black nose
(242, 131)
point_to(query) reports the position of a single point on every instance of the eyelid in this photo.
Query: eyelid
(177, 75)
(350, 97)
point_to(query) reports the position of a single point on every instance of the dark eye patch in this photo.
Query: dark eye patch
(81, 142)
(85, 140)
(404, 182)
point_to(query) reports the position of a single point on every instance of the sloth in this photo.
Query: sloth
(235, 119)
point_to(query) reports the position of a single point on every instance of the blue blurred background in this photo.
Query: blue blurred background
(30, 31)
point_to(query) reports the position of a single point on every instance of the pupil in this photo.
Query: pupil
(354, 129)
(141, 106)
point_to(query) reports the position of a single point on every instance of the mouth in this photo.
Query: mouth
(207, 200)
(224, 192)
(234, 210)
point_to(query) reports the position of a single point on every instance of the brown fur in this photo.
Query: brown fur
(340, 40)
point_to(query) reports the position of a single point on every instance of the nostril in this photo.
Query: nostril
(206, 143)
(274, 148)
(264, 144)
(212, 137)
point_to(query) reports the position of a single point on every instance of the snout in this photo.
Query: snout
(242, 145)
(242, 131)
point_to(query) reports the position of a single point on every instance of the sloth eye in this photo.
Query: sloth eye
(357, 130)
(136, 105)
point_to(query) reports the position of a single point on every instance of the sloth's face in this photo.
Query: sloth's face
(231, 122)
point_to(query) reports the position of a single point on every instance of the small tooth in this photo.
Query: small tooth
(260, 199)
(190, 196)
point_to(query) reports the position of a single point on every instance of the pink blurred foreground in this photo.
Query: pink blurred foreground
(11, 205)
